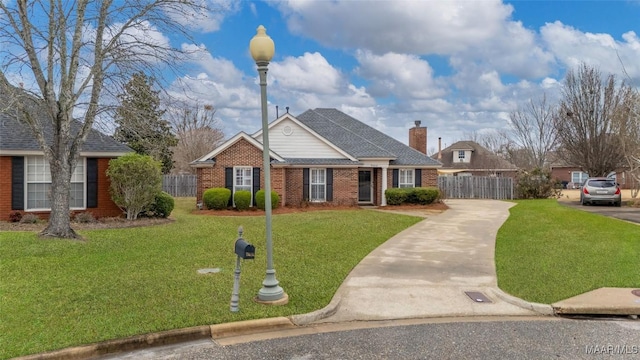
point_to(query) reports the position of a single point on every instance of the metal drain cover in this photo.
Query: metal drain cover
(477, 297)
(636, 292)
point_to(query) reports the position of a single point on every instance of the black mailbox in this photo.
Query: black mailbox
(244, 250)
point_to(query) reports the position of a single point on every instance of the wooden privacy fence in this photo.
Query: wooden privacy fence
(179, 185)
(476, 187)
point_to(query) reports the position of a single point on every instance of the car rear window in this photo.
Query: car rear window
(602, 183)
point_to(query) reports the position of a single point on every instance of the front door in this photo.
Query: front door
(364, 186)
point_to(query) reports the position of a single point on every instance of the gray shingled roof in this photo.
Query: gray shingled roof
(359, 139)
(15, 135)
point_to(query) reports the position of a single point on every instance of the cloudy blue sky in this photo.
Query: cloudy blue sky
(458, 66)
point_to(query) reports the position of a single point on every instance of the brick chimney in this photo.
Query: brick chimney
(418, 137)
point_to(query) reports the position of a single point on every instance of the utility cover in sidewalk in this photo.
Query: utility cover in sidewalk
(477, 296)
(636, 292)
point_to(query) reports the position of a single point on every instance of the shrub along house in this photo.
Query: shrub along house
(322, 156)
(25, 180)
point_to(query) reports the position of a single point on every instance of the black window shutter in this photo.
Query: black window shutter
(228, 182)
(418, 177)
(305, 184)
(92, 183)
(394, 178)
(256, 183)
(17, 183)
(329, 184)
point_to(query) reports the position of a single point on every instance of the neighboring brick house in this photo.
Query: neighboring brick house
(572, 176)
(468, 158)
(25, 181)
(321, 156)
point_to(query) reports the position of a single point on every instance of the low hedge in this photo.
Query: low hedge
(162, 205)
(275, 199)
(216, 198)
(242, 199)
(396, 196)
(419, 195)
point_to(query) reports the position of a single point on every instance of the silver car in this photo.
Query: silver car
(600, 190)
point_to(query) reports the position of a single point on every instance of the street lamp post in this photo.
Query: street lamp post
(262, 49)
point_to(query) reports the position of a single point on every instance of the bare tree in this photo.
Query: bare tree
(532, 133)
(198, 132)
(627, 129)
(73, 50)
(586, 117)
(493, 140)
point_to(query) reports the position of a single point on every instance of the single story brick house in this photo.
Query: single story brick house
(322, 156)
(572, 176)
(25, 180)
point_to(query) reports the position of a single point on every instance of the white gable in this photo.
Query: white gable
(291, 140)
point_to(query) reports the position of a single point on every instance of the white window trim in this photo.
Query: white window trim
(82, 161)
(405, 184)
(235, 168)
(323, 184)
(582, 177)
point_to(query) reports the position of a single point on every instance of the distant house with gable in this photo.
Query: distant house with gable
(468, 158)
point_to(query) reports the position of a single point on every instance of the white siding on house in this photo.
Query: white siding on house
(461, 156)
(289, 139)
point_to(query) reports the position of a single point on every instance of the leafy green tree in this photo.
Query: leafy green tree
(140, 123)
(136, 180)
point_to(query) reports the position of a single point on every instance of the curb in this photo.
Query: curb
(542, 309)
(126, 344)
(220, 331)
(170, 337)
(325, 312)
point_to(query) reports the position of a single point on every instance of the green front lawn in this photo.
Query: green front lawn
(546, 252)
(123, 282)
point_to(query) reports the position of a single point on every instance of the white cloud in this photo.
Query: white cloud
(573, 47)
(481, 32)
(406, 76)
(307, 73)
(419, 27)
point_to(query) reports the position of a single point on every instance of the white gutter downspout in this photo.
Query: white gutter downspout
(383, 199)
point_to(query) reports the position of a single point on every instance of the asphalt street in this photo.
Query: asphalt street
(623, 213)
(515, 338)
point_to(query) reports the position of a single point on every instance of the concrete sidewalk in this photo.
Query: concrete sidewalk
(426, 270)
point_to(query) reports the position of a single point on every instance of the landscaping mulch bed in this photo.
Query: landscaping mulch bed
(105, 223)
(116, 223)
(440, 206)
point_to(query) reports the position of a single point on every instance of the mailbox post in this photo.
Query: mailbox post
(243, 250)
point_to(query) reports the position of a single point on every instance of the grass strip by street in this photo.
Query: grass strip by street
(123, 282)
(546, 252)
